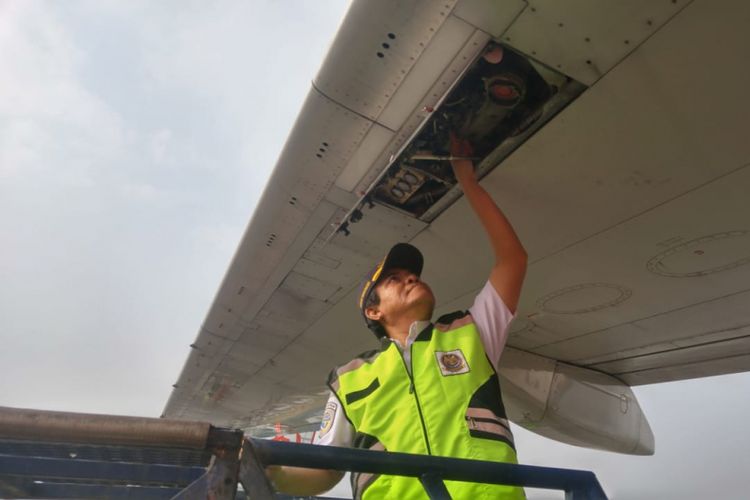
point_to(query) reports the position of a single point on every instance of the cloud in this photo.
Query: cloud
(160, 144)
(135, 138)
(51, 126)
(141, 192)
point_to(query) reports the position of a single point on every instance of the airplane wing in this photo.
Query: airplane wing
(612, 134)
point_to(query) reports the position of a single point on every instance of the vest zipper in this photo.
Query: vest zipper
(413, 390)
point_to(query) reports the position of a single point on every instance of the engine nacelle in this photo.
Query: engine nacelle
(573, 405)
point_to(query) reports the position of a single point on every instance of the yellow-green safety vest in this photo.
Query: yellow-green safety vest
(449, 406)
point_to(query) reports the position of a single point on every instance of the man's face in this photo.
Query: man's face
(402, 295)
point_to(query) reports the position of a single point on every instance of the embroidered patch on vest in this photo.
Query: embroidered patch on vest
(452, 362)
(327, 421)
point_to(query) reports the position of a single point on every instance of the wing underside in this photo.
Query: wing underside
(627, 183)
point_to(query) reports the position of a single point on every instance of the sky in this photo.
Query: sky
(135, 140)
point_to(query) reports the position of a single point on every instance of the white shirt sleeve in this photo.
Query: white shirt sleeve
(492, 318)
(335, 428)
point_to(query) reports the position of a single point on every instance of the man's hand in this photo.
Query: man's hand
(462, 169)
(302, 481)
(275, 474)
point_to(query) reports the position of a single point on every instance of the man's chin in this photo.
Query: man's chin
(423, 296)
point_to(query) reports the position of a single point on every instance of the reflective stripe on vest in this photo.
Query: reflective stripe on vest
(452, 406)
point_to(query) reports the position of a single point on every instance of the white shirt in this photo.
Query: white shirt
(491, 317)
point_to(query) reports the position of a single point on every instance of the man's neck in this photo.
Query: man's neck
(399, 336)
(402, 334)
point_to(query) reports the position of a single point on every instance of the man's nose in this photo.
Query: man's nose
(412, 278)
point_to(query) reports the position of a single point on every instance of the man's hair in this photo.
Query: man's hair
(373, 300)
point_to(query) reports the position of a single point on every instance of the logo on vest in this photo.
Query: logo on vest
(452, 362)
(327, 421)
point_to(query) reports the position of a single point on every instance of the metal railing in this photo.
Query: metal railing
(430, 470)
(74, 455)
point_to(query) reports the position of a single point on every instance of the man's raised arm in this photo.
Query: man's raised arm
(510, 256)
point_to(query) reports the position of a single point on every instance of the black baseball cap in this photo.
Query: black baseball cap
(400, 256)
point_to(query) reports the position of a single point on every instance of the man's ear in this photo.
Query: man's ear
(373, 313)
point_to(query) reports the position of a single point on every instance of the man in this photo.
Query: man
(430, 388)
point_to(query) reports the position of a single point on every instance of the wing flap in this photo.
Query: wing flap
(672, 359)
